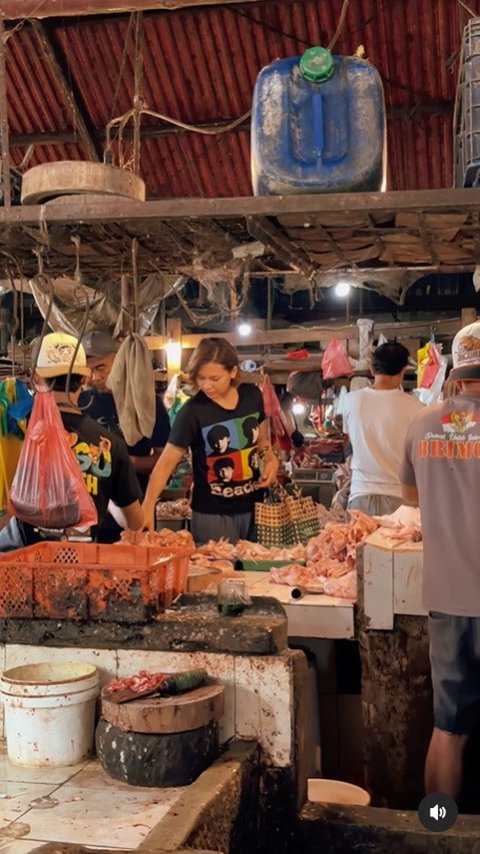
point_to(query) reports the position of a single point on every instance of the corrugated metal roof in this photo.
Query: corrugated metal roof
(200, 67)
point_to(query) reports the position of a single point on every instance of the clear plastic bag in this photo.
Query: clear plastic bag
(48, 490)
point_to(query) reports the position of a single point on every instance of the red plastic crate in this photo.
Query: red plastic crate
(16, 591)
(123, 593)
(61, 595)
(78, 580)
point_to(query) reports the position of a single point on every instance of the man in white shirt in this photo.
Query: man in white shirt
(376, 420)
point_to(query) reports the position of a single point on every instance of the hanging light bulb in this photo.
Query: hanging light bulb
(342, 289)
(244, 329)
(298, 408)
(173, 350)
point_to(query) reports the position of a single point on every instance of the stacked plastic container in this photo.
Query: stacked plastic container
(318, 126)
(467, 110)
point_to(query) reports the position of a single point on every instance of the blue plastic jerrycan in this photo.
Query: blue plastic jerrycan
(318, 126)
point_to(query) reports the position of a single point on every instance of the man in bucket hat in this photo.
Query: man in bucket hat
(441, 470)
(61, 365)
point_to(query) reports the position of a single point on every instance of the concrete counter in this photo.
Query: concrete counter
(312, 616)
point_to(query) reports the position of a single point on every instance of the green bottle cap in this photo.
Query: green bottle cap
(317, 64)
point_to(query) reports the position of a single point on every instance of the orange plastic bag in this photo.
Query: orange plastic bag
(335, 362)
(48, 490)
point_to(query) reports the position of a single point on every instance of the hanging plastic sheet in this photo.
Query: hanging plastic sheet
(68, 311)
(365, 326)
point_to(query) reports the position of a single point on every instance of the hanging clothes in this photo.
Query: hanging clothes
(132, 382)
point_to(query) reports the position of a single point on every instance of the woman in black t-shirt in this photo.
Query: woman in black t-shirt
(224, 426)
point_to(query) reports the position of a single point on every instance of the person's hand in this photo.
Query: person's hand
(148, 516)
(270, 471)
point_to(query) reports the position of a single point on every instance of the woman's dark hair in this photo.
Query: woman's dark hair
(390, 358)
(212, 350)
(219, 431)
(249, 425)
(60, 383)
(223, 463)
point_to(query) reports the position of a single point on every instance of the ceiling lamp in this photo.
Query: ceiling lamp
(342, 289)
(244, 329)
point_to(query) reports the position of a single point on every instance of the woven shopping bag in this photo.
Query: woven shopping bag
(285, 520)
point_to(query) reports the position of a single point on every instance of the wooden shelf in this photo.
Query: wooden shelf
(378, 237)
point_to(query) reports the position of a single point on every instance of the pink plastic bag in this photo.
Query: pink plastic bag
(48, 490)
(335, 362)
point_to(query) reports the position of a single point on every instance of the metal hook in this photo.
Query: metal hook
(75, 238)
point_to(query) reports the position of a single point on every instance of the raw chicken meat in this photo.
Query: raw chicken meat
(344, 587)
(294, 575)
(174, 540)
(331, 558)
(142, 681)
(402, 526)
(254, 551)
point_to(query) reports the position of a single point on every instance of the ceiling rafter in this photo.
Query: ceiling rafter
(267, 232)
(154, 131)
(84, 132)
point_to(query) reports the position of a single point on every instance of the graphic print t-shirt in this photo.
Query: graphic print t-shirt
(106, 468)
(224, 450)
(442, 459)
(100, 405)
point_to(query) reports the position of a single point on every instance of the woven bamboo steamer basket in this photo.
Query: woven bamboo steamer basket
(72, 177)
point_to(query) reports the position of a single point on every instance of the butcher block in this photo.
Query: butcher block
(181, 713)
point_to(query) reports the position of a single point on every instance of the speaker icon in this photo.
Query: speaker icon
(437, 812)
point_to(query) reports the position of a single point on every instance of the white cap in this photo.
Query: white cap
(466, 353)
(56, 356)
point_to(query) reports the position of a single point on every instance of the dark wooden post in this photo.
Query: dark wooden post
(4, 136)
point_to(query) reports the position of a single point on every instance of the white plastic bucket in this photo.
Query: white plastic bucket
(49, 713)
(336, 792)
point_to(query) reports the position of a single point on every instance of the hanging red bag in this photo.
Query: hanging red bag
(335, 362)
(428, 365)
(48, 490)
(281, 429)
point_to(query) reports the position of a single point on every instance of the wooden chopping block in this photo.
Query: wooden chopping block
(201, 578)
(181, 713)
(68, 177)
